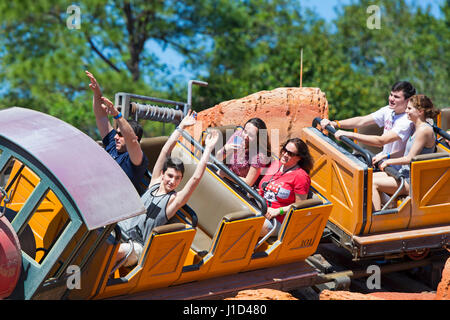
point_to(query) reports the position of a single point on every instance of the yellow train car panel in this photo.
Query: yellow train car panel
(163, 262)
(430, 189)
(48, 220)
(340, 180)
(229, 250)
(234, 245)
(160, 264)
(406, 227)
(302, 232)
(394, 220)
(298, 238)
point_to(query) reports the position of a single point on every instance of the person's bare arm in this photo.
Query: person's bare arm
(101, 117)
(131, 140)
(166, 150)
(184, 194)
(372, 140)
(272, 212)
(351, 123)
(252, 176)
(419, 143)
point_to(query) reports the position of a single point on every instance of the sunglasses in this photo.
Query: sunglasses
(119, 133)
(290, 154)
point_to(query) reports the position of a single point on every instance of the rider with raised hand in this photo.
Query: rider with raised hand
(122, 143)
(161, 199)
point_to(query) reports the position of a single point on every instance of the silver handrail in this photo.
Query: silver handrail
(121, 262)
(269, 234)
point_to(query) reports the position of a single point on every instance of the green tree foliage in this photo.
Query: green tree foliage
(238, 47)
(411, 44)
(43, 61)
(258, 46)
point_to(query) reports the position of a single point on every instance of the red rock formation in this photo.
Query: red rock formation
(262, 294)
(403, 296)
(286, 109)
(443, 292)
(345, 295)
(443, 289)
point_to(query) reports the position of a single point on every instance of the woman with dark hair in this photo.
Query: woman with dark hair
(423, 141)
(286, 181)
(247, 151)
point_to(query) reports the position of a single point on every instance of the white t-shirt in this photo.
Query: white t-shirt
(399, 123)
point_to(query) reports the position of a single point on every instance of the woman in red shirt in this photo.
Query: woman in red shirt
(286, 181)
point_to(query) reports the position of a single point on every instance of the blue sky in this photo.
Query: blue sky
(324, 8)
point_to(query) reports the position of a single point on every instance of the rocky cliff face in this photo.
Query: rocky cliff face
(262, 294)
(443, 289)
(285, 109)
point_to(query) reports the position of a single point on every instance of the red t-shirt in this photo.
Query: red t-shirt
(280, 188)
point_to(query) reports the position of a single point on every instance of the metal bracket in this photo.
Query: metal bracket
(5, 199)
(342, 283)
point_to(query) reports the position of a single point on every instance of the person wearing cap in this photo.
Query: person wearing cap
(397, 127)
(122, 143)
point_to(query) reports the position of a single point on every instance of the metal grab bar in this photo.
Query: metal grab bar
(189, 211)
(393, 173)
(368, 157)
(396, 175)
(269, 234)
(349, 142)
(121, 262)
(230, 173)
(441, 132)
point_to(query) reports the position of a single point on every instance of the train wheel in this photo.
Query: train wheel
(10, 258)
(418, 254)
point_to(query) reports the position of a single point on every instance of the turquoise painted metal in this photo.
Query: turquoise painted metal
(88, 182)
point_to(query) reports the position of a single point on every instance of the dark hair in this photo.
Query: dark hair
(306, 162)
(137, 128)
(407, 88)
(422, 102)
(173, 163)
(262, 141)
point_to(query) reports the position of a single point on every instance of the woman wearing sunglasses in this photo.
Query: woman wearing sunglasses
(286, 181)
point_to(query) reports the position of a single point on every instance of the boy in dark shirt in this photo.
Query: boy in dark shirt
(121, 143)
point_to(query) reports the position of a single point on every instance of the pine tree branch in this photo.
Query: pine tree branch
(96, 50)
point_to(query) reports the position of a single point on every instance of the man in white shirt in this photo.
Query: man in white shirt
(397, 127)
